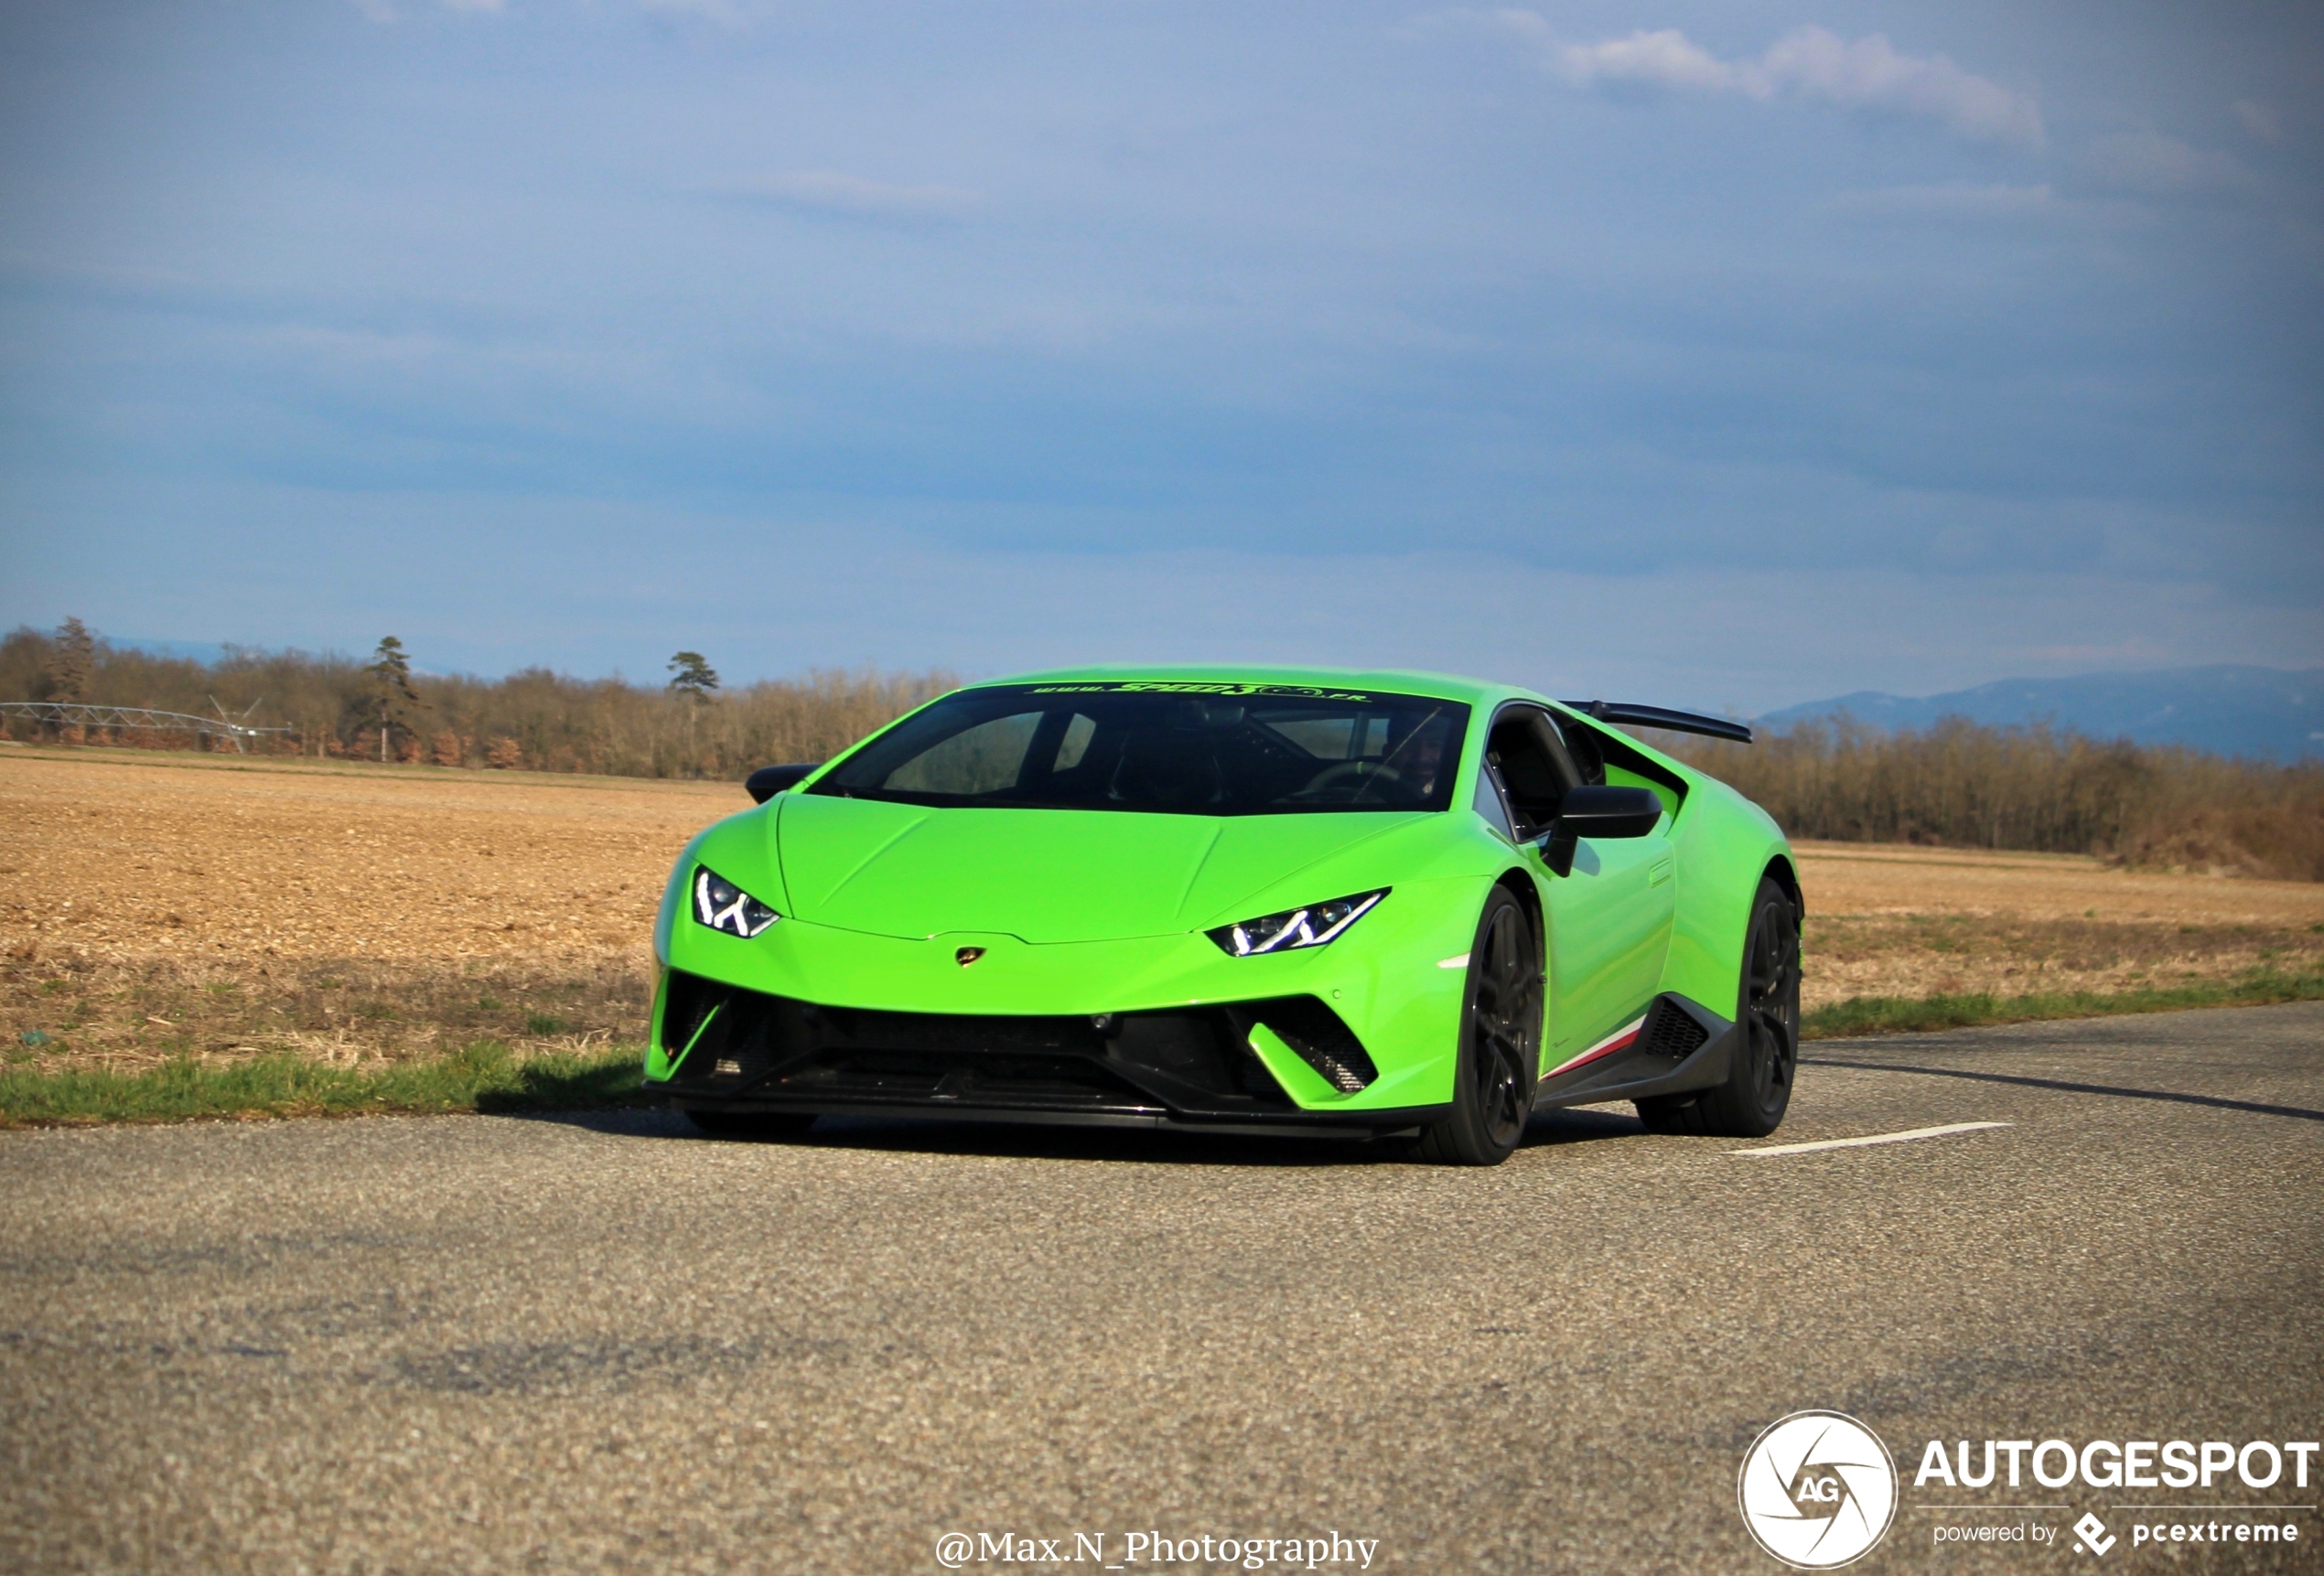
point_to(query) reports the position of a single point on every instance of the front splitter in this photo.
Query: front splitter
(1403, 1123)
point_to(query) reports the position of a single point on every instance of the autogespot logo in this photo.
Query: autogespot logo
(1817, 1489)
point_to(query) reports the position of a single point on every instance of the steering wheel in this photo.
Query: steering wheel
(1370, 772)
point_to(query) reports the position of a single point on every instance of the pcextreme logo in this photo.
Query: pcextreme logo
(1817, 1490)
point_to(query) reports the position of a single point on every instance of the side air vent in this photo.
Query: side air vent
(1321, 1040)
(1671, 1031)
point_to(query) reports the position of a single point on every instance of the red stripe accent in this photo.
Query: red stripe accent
(1617, 1043)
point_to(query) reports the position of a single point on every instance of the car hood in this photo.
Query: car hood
(1042, 876)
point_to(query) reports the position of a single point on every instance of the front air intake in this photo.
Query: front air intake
(1316, 1034)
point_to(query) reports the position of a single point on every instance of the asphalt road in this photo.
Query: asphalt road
(479, 1344)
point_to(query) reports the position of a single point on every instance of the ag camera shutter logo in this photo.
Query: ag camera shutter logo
(1818, 1489)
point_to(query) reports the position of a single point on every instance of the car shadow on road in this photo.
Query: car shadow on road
(2117, 1091)
(1580, 1124)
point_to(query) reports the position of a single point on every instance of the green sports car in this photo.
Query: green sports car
(1248, 900)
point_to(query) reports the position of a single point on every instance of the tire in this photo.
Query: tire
(1766, 1058)
(750, 1124)
(1501, 1043)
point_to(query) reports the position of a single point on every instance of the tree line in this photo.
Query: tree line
(536, 720)
(1957, 783)
(2035, 789)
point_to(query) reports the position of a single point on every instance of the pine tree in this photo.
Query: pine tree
(391, 693)
(696, 678)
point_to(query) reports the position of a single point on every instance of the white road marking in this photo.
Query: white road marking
(1905, 1137)
(1459, 962)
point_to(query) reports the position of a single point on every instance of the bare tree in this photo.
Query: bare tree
(72, 660)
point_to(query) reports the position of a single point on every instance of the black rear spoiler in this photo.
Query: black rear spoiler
(1665, 718)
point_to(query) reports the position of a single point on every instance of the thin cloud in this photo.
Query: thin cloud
(1958, 200)
(2260, 120)
(852, 197)
(1811, 64)
(2152, 165)
(723, 12)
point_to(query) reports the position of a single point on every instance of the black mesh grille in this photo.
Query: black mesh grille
(1671, 1031)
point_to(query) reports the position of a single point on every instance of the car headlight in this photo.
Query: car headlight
(1315, 926)
(721, 905)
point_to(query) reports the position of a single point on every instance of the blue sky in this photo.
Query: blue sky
(1719, 355)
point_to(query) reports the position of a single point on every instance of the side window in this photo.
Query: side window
(1581, 744)
(1534, 768)
(1075, 743)
(1489, 800)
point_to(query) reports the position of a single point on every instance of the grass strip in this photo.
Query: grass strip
(1920, 1014)
(484, 1077)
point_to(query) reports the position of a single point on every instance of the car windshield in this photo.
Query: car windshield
(1173, 748)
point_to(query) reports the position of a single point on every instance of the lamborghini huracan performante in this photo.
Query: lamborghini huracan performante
(1258, 901)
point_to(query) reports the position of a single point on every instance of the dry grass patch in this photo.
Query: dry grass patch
(1897, 921)
(127, 1016)
(1953, 954)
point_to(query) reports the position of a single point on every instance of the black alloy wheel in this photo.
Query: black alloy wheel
(1500, 1039)
(1770, 1004)
(1765, 1059)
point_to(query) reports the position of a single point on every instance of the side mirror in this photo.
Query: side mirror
(1610, 812)
(768, 781)
(1596, 812)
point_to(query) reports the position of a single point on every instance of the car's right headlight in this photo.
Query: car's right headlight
(721, 905)
(1317, 925)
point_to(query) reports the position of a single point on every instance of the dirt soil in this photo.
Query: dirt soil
(152, 906)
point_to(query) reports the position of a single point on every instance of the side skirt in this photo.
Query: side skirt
(1680, 1046)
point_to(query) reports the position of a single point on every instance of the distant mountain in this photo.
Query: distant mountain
(2267, 713)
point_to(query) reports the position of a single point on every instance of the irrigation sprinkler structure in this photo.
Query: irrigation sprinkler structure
(75, 715)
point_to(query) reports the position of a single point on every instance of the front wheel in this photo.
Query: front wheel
(1766, 1057)
(1501, 1043)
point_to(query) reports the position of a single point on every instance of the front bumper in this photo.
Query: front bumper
(1225, 1067)
(1381, 985)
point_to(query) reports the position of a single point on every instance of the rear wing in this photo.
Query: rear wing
(1665, 718)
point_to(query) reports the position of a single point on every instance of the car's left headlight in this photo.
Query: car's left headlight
(1317, 925)
(721, 905)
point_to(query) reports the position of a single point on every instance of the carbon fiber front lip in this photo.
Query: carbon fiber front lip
(1278, 1124)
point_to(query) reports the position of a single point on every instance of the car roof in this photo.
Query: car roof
(1400, 681)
